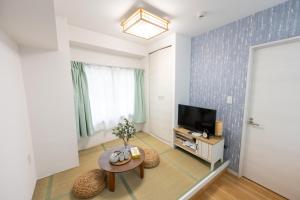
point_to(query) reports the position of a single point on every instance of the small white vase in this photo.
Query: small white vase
(126, 154)
(121, 156)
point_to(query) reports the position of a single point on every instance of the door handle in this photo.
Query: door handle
(252, 123)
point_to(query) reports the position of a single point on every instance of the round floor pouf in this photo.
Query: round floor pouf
(89, 185)
(151, 158)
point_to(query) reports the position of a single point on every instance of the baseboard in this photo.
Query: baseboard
(98, 138)
(230, 171)
(170, 144)
(203, 183)
(95, 140)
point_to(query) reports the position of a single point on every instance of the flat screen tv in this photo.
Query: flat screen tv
(197, 119)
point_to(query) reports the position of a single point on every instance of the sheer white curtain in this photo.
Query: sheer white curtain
(111, 92)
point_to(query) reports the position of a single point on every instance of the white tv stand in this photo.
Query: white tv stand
(210, 150)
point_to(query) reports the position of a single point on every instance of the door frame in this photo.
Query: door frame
(249, 79)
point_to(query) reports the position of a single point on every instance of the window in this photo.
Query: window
(111, 92)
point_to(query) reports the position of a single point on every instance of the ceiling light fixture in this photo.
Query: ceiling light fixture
(144, 24)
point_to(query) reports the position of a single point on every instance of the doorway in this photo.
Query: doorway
(271, 155)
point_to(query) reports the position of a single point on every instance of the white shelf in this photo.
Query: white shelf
(210, 150)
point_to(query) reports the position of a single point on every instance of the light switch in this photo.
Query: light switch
(229, 100)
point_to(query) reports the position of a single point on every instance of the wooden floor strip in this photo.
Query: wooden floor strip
(230, 187)
(217, 193)
(253, 187)
(262, 190)
(233, 189)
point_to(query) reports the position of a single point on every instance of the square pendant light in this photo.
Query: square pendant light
(144, 24)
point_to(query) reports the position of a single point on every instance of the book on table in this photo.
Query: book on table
(135, 153)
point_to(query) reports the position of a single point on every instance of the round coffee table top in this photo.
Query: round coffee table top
(104, 163)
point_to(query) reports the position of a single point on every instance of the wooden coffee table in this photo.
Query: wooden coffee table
(110, 169)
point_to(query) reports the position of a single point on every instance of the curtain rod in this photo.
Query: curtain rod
(160, 49)
(101, 65)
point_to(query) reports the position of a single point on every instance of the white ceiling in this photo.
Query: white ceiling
(104, 16)
(29, 22)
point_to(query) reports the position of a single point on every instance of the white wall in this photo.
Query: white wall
(105, 43)
(17, 172)
(95, 57)
(49, 91)
(29, 22)
(145, 63)
(182, 72)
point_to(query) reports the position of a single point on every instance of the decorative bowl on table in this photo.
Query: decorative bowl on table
(120, 157)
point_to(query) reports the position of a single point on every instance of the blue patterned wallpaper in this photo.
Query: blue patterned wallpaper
(219, 65)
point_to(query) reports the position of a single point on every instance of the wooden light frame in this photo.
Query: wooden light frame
(142, 15)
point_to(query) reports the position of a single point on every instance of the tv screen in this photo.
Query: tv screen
(197, 119)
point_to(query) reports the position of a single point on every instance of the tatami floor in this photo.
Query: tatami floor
(228, 186)
(177, 173)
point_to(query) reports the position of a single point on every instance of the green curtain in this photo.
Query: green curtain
(82, 103)
(139, 115)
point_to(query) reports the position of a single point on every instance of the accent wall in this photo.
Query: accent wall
(219, 66)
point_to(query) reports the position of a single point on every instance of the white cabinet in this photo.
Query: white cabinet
(160, 95)
(210, 150)
(199, 147)
(204, 150)
(168, 83)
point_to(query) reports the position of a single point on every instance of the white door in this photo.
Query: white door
(160, 92)
(272, 154)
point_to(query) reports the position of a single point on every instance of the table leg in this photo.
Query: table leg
(111, 181)
(142, 170)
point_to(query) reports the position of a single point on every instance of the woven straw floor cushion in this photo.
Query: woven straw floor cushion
(89, 184)
(151, 158)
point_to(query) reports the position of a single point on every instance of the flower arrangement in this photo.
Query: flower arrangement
(124, 130)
